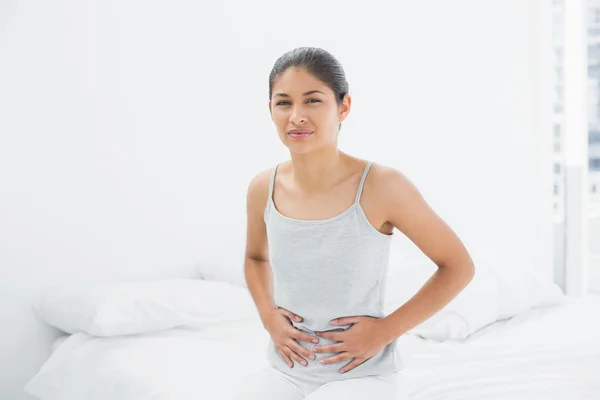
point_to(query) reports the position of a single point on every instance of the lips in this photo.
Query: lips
(299, 133)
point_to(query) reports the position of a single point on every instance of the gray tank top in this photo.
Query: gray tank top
(324, 269)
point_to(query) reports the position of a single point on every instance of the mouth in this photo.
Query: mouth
(299, 133)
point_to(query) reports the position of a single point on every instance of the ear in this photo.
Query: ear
(345, 107)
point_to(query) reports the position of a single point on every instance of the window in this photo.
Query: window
(594, 52)
(556, 168)
(558, 70)
(557, 147)
(594, 70)
(591, 29)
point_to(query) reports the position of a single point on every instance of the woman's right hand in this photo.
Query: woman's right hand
(285, 336)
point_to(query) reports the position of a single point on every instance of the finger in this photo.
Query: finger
(290, 314)
(305, 337)
(332, 348)
(285, 357)
(295, 356)
(351, 365)
(336, 359)
(301, 350)
(335, 336)
(345, 320)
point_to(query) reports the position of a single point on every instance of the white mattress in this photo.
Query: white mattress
(547, 354)
(551, 353)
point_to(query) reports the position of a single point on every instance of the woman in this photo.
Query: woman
(318, 236)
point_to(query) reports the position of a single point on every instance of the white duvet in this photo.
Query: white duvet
(551, 353)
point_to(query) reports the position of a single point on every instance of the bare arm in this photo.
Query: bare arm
(407, 211)
(257, 269)
(259, 278)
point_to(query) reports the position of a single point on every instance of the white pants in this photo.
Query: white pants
(271, 384)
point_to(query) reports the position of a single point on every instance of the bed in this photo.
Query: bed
(547, 352)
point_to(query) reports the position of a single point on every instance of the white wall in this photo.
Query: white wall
(130, 130)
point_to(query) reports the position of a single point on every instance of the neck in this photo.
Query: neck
(317, 170)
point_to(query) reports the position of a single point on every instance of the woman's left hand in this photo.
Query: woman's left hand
(365, 338)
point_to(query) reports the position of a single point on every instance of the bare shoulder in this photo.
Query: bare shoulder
(258, 189)
(402, 206)
(389, 184)
(385, 190)
(396, 198)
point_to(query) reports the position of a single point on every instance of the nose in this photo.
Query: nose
(297, 117)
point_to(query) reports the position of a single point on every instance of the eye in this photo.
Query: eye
(308, 101)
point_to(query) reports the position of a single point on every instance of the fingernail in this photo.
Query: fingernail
(315, 340)
(298, 318)
(322, 361)
(304, 363)
(312, 356)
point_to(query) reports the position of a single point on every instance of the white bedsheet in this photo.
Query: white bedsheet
(548, 354)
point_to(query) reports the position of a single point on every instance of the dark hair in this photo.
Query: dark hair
(317, 62)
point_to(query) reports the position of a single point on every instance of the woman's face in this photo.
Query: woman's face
(302, 102)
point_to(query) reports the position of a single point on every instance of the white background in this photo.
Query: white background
(130, 130)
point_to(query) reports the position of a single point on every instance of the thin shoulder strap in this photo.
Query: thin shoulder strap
(362, 181)
(272, 182)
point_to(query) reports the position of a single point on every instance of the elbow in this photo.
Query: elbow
(463, 270)
(467, 269)
(469, 272)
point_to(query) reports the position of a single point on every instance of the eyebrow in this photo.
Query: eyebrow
(305, 94)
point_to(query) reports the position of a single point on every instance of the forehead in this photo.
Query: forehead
(297, 81)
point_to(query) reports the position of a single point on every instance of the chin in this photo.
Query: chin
(296, 149)
(300, 145)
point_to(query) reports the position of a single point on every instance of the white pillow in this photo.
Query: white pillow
(475, 307)
(223, 267)
(502, 287)
(520, 285)
(56, 344)
(124, 308)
